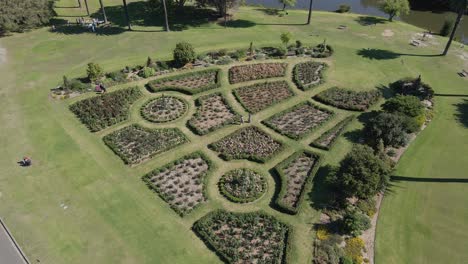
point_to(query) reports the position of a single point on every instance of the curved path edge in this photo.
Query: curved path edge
(10, 251)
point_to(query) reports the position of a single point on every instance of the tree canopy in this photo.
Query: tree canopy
(21, 15)
(405, 104)
(286, 3)
(395, 8)
(390, 128)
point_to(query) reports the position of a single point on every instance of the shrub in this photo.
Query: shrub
(281, 51)
(344, 8)
(390, 128)
(404, 104)
(117, 76)
(322, 232)
(74, 84)
(94, 71)
(361, 173)
(239, 54)
(298, 44)
(413, 86)
(367, 206)
(355, 222)
(353, 249)
(147, 72)
(162, 65)
(446, 27)
(183, 54)
(149, 62)
(285, 38)
(327, 251)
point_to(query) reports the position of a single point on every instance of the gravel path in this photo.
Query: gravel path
(2, 55)
(10, 253)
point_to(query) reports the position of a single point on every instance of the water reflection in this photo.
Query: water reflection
(425, 19)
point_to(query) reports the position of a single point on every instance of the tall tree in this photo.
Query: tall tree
(395, 8)
(221, 6)
(103, 11)
(21, 15)
(311, 2)
(165, 15)
(287, 3)
(86, 5)
(459, 6)
(127, 16)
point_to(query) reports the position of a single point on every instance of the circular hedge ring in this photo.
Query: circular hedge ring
(164, 109)
(242, 185)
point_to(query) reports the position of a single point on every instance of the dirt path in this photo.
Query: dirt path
(3, 58)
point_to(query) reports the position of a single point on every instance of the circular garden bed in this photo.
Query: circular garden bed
(164, 109)
(242, 185)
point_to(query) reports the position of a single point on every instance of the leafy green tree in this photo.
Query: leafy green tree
(287, 3)
(460, 7)
(183, 54)
(221, 6)
(21, 15)
(94, 71)
(389, 127)
(355, 222)
(395, 8)
(361, 173)
(404, 104)
(286, 37)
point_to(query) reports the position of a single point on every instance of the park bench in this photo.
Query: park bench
(463, 73)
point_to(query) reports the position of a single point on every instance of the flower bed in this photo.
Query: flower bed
(242, 185)
(257, 97)
(181, 183)
(163, 109)
(309, 74)
(247, 143)
(190, 83)
(250, 72)
(295, 174)
(348, 99)
(213, 112)
(106, 110)
(327, 139)
(322, 51)
(299, 120)
(135, 144)
(245, 237)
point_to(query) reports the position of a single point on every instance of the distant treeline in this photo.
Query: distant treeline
(433, 5)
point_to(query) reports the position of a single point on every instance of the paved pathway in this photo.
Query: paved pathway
(10, 253)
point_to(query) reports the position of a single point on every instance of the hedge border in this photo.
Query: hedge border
(114, 148)
(285, 256)
(340, 127)
(310, 86)
(217, 83)
(320, 98)
(204, 179)
(230, 74)
(307, 183)
(235, 92)
(186, 107)
(75, 105)
(253, 158)
(267, 123)
(235, 120)
(232, 198)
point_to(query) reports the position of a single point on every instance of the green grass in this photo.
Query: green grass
(114, 218)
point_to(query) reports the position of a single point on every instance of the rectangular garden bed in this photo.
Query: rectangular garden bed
(327, 139)
(107, 109)
(295, 175)
(257, 97)
(348, 99)
(213, 112)
(250, 72)
(181, 183)
(253, 237)
(135, 144)
(299, 120)
(190, 83)
(249, 143)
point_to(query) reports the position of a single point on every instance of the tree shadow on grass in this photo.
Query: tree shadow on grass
(322, 195)
(370, 20)
(141, 14)
(269, 11)
(462, 112)
(386, 91)
(353, 136)
(416, 179)
(277, 180)
(238, 23)
(77, 29)
(381, 54)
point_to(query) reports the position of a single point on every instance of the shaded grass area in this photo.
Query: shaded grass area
(111, 210)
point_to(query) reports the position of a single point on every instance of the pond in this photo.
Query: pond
(432, 21)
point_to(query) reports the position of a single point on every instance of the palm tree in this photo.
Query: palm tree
(126, 14)
(310, 11)
(87, 8)
(459, 6)
(165, 15)
(103, 11)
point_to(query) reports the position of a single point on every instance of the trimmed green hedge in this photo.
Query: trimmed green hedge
(283, 178)
(198, 154)
(198, 103)
(336, 131)
(204, 226)
(216, 84)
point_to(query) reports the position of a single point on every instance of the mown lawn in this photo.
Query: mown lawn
(112, 217)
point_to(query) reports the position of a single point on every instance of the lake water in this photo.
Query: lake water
(424, 19)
